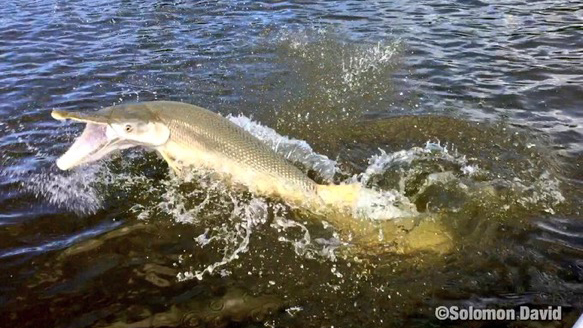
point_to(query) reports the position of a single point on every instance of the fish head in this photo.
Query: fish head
(110, 129)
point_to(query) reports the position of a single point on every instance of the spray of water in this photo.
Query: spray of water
(297, 151)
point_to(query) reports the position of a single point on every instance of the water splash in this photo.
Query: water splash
(381, 163)
(394, 182)
(418, 169)
(368, 60)
(543, 192)
(378, 205)
(333, 79)
(301, 245)
(247, 216)
(74, 191)
(297, 151)
(357, 63)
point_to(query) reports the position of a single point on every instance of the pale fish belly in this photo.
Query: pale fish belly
(263, 183)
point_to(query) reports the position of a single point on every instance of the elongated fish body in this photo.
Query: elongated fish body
(201, 138)
(190, 136)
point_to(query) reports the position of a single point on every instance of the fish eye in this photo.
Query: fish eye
(128, 128)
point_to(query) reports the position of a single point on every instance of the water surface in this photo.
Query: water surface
(470, 110)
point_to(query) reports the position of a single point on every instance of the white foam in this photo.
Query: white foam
(545, 192)
(381, 163)
(383, 205)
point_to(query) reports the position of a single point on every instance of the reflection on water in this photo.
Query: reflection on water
(466, 114)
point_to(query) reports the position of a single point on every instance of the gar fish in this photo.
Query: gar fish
(190, 136)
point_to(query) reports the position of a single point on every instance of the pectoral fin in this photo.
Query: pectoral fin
(172, 163)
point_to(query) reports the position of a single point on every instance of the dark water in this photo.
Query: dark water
(110, 244)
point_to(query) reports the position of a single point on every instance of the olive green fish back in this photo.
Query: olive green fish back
(191, 124)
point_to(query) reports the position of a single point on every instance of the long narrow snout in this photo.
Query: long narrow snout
(101, 116)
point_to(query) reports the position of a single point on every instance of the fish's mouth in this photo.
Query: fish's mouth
(97, 140)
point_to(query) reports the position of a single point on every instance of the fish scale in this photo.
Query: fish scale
(218, 135)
